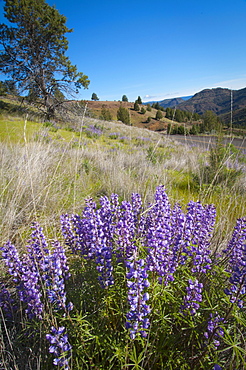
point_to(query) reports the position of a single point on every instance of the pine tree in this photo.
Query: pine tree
(158, 115)
(139, 100)
(105, 114)
(124, 98)
(94, 97)
(136, 106)
(123, 115)
(33, 52)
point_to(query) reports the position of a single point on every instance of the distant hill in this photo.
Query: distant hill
(220, 101)
(170, 103)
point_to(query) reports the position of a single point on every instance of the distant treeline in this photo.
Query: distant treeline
(177, 114)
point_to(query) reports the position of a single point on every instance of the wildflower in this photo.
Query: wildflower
(55, 273)
(137, 282)
(59, 347)
(236, 252)
(160, 237)
(26, 276)
(199, 223)
(216, 367)
(7, 303)
(193, 297)
(38, 273)
(214, 329)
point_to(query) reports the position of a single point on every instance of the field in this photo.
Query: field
(150, 285)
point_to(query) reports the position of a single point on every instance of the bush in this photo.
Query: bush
(124, 98)
(159, 115)
(105, 114)
(136, 106)
(143, 289)
(123, 115)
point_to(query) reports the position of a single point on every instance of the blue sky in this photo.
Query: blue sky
(156, 49)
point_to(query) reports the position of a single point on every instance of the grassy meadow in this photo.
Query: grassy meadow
(49, 169)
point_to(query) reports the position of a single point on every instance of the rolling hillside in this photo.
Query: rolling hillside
(220, 101)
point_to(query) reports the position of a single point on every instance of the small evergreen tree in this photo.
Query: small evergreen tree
(159, 115)
(179, 116)
(105, 114)
(194, 129)
(143, 110)
(124, 98)
(169, 113)
(123, 115)
(169, 129)
(139, 100)
(136, 106)
(148, 108)
(181, 130)
(94, 97)
(156, 106)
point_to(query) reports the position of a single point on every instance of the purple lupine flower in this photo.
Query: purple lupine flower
(193, 297)
(103, 231)
(104, 246)
(37, 246)
(37, 273)
(29, 288)
(159, 237)
(59, 347)
(56, 272)
(125, 231)
(94, 130)
(217, 367)
(236, 252)
(137, 282)
(214, 329)
(91, 236)
(177, 220)
(199, 224)
(7, 303)
(12, 260)
(26, 276)
(67, 224)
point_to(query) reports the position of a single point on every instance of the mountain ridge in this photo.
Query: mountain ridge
(224, 102)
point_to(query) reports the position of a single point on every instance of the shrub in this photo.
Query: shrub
(124, 98)
(105, 114)
(148, 290)
(123, 115)
(159, 115)
(136, 106)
